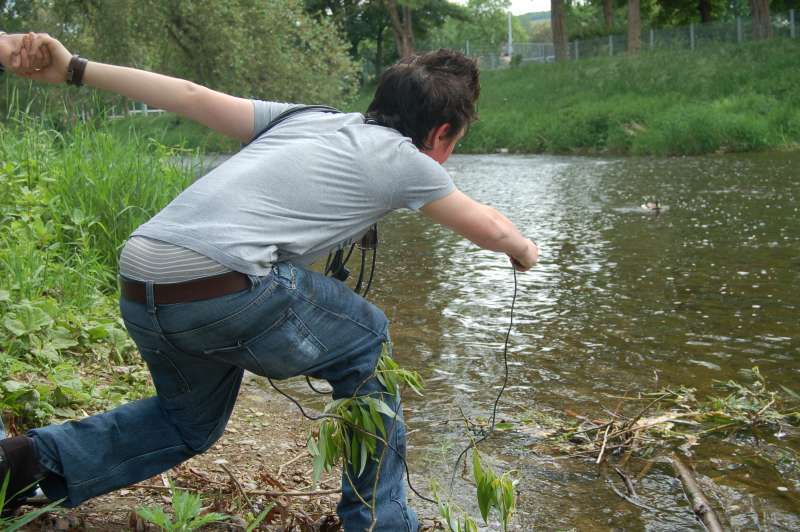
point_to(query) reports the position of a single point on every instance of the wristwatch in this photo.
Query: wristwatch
(77, 65)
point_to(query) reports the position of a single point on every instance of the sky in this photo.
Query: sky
(520, 7)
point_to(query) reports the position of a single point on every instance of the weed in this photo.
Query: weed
(186, 509)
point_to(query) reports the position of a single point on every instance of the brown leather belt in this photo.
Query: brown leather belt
(194, 290)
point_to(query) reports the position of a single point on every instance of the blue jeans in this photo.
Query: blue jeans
(290, 322)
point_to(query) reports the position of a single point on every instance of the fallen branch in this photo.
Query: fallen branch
(603, 448)
(626, 479)
(700, 505)
(241, 489)
(249, 492)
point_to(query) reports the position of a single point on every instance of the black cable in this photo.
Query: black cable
(371, 272)
(502, 388)
(321, 392)
(357, 289)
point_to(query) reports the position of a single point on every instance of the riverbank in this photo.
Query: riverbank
(712, 100)
(724, 99)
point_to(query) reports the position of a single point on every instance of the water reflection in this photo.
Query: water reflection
(623, 300)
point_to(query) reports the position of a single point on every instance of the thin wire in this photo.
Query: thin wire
(502, 388)
(315, 390)
(470, 446)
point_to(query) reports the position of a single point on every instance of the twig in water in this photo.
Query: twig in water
(700, 506)
(603, 448)
(626, 479)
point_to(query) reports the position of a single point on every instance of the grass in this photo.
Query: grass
(725, 99)
(68, 200)
(171, 130)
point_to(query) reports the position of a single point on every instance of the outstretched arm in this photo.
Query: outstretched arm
(484, 226)
(229, 115)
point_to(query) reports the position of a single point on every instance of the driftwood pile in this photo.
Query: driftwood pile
(667, 420)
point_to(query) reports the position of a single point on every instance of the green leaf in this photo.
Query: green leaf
(382, 407)
(377, 420)
(12, 386)
(363, 455)
(791, 393)
(504, 425)
(252, 525)
(26, 319)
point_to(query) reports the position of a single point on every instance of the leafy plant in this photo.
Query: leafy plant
(491, 492)
(352, 426)
(186, 510)
(447, 512)
(9, 524)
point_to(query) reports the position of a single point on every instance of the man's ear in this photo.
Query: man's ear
(438, 134)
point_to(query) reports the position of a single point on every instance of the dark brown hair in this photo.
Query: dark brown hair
(422, 92)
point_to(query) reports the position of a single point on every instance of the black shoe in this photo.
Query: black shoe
(18, 463)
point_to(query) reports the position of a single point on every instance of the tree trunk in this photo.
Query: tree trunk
(704, 6)
(402, 26)
(634, 27)
(608, 15)
(379, 52)
(762, 25)
(559, 28)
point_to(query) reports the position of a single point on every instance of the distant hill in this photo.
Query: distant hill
(536, 16)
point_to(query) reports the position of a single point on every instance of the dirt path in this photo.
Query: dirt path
(263, 449)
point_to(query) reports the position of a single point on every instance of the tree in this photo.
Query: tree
(634, 27)
(484, 22)
(412, 19)
(762, 25)
(558, 24)
(402, 26)
(267, 49)
(608, 15)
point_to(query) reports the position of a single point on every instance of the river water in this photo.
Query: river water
(623, 300)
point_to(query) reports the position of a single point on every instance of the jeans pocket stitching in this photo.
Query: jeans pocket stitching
(268, 290)
(292, 316)
(183, 384)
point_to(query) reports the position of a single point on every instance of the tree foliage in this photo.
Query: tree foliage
(483, 22)
(268, 49)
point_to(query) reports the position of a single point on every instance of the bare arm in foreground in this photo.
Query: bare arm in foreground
(226, 114)
(484, 226)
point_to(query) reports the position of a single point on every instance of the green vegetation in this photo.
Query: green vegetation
(186, 508)
(732, 99)
(272, 49)
(11, 524)
(67, 202)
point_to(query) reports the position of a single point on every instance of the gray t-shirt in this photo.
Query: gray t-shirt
(314, 182)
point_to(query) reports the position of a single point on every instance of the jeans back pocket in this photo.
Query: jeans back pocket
(284, 350)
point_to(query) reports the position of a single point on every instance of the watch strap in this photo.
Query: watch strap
(75, 70)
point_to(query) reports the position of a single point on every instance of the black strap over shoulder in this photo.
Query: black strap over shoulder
(290, 113)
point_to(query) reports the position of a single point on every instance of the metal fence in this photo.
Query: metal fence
(689, 37)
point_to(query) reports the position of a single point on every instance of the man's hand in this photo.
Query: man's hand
(525, 262)
(41, 58)
(13, 52)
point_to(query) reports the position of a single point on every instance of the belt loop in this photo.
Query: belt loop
(255, 280)
(150, 298)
